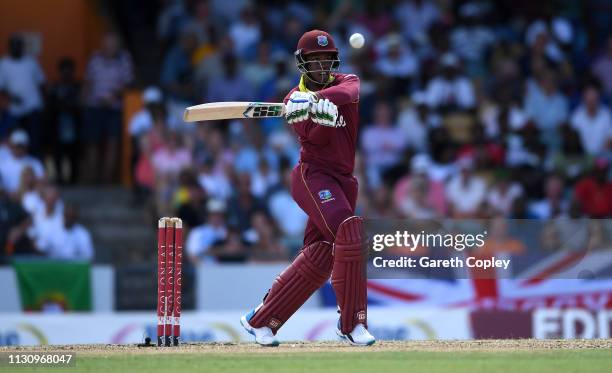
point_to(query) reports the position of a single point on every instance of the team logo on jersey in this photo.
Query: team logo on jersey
(322, 40)
(326, 196)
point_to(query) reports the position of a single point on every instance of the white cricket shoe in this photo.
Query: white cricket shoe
(360, 336)
(263, 335)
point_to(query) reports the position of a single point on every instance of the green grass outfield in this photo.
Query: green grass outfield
(387, 357)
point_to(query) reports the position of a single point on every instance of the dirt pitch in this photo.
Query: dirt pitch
(308, 347)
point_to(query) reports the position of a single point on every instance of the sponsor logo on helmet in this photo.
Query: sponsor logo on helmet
(322, 40)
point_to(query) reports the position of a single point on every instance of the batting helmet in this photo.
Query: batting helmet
(316, 41)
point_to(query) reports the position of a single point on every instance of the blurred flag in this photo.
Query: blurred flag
(54, 286)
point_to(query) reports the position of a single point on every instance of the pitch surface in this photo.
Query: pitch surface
(489, 356)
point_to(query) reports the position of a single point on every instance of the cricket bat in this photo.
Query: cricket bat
(233, 110)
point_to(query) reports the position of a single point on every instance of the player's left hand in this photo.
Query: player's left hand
(324, 113)
(298, 106)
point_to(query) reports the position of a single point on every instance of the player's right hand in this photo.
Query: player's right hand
(298, 106)
(324, 113)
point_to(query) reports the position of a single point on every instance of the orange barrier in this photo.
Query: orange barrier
(58, 28)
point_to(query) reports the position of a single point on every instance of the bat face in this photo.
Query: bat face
(233, 110)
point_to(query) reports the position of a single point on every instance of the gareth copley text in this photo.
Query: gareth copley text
(426, 262)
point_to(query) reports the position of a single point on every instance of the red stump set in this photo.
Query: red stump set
(169, 280)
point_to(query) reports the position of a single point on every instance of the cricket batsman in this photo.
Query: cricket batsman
(324, 112)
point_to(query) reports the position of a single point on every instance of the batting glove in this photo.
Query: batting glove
(298, 106)
(324, 113)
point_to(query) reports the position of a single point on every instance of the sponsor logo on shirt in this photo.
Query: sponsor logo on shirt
(361, 316)
(325, 196)
(340, 121)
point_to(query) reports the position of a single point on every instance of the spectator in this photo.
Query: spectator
(396, 61)
(286, 213)
(263, 236)
(263, 179)
(246, 157)
(571, 160)
(109, 72)
(144, 174)
(543, 38)
(230, 85)
(280, 81)
(382, 142)
(70, 240)
(29, 193)
(379, 204)
(14, 224)
(243, 204)
(208, 47)
(471, 39)
(22, 78)
(502, 119)
(172, 157)
(208, 58)
(546, 106)
(593, 122)
(192, 210)
(142, 121)
(416, 121)
(486, 153)
(449, 90)
(375, 17)
(215, 183)
(200, 18)
(416, 17)
(500, 241)
(262, 69)
(442, 164)
(503, 194)
(417, 195)
(245, 33)
(416, 205)
(505, 84)
(553, 204)
(16, 159)
(602, 68)
(8, 122)
(201, 238)
(230, 250)
(177, 71)
(171, 17)
(524, 148)
(48, 217)
(167, 162)
(594, 192)
(64, 109)
(466, 192)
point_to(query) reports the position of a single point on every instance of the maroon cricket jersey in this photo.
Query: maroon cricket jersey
(329, 147)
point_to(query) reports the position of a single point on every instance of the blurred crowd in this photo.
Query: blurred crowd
(34, 221)
(40, 125)
(469, 109)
